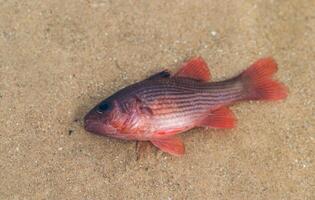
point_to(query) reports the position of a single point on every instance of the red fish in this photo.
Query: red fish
(163, 105)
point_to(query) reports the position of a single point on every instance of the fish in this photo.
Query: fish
(163, 105)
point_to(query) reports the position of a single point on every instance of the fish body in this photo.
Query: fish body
(163, 105)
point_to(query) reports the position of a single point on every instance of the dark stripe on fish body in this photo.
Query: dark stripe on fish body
(207, 96)
(199, 99)
(183, 104)
(194, 96)
(205, 102)
(178, 90)
(189, 107)
(179, 97)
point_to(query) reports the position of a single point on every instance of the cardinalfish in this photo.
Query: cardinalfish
(160, 107)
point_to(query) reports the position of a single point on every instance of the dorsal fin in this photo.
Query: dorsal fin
(162, 74)
(195, 68)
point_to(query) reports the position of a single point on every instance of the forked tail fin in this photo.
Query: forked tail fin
(258, 83)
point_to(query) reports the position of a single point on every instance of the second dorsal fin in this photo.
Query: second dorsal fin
(195, 68)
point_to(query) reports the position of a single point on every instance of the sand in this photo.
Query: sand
(59, 58)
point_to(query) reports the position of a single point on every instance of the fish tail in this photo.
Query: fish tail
(258, 82)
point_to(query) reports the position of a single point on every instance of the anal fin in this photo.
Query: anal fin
(220, 118)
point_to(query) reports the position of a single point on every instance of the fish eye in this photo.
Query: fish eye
(103, 107)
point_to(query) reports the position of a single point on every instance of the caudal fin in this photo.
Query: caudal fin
(258, 83)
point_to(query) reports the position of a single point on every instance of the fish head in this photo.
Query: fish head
(106, 118)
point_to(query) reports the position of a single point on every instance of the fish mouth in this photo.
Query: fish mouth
(92, 126)
(98, 127)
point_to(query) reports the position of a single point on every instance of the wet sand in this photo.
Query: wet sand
(59, 59)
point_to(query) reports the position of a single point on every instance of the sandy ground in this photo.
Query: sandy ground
(59, 58)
